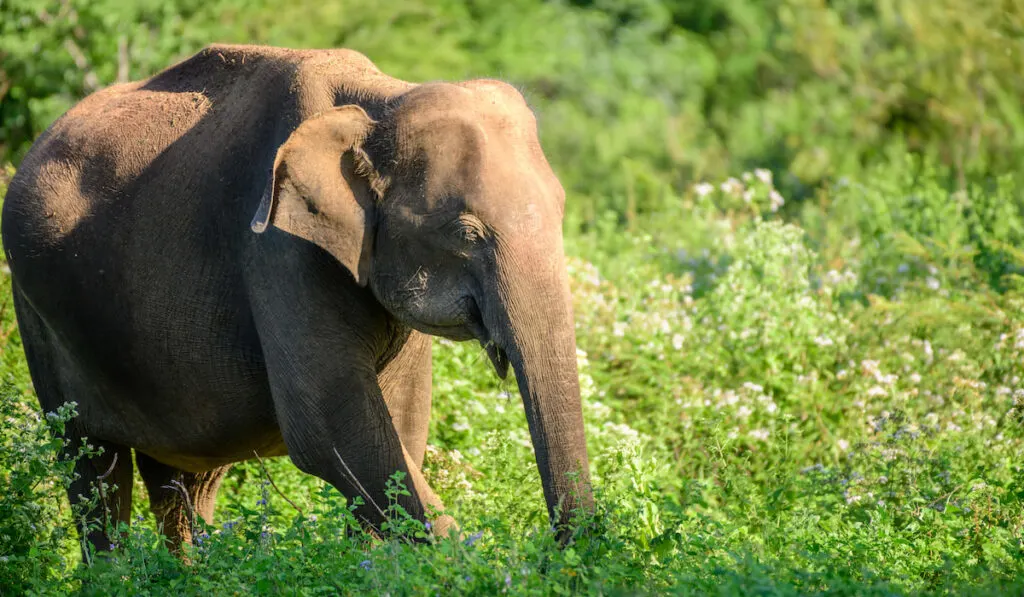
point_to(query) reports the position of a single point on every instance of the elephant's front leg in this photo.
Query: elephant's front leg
(339, 429)
(321, 338)
(406, 384)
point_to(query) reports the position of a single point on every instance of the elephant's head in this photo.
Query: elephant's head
(448, 209)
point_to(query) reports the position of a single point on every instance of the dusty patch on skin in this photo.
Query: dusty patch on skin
(62, 205)
(110, 136)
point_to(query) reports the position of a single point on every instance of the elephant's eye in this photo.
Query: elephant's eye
(470, 228)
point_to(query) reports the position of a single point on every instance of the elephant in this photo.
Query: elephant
(248, 254)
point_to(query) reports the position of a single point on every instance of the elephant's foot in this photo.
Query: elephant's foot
(444, 526)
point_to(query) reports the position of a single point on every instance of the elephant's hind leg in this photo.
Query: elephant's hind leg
(105, 504)
(105, 483)
(176, 497)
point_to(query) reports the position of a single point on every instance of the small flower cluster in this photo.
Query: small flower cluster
(753, 190)
(448, 470)
(745, 411)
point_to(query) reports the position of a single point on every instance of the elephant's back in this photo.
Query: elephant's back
(84, 163)
(125, 224)
(152, 173)
(199, 135)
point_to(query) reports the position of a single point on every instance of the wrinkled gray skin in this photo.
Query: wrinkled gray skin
(245, 253)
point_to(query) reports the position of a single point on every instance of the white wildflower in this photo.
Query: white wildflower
(732, 187)
(761, 434)
(621, 429)
(886, 380)
(764, 175)
(703, 189)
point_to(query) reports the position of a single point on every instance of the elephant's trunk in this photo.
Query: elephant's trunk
(535, 328)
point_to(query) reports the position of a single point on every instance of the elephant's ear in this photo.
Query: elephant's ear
(323, 188)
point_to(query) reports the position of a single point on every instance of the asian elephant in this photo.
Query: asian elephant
(248, 252)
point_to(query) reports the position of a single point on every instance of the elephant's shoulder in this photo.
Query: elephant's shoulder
(341, 75)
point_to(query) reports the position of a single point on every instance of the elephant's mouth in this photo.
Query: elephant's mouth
(498, 358)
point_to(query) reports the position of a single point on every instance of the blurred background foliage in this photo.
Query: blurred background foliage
(637, 98)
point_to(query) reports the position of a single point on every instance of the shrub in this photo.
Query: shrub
(34, 519)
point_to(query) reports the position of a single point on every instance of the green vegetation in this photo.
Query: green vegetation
(816, 396)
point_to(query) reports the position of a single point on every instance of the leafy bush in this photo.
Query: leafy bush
(901, 225)
(33, 522)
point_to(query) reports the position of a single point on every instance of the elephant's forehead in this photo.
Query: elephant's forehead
(461, 153)
(470, 98)
(477, 149)
(482, 173)
(439, 131)
(445, 116)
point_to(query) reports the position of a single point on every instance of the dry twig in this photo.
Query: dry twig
(274, 485)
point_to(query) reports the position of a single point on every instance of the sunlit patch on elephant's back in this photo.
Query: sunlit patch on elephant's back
(113, 136)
